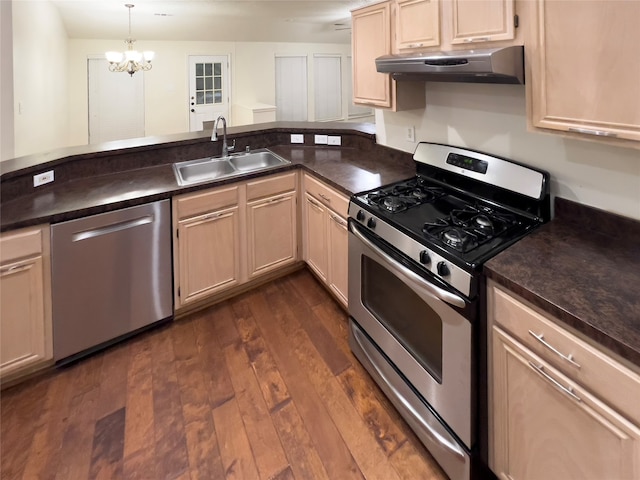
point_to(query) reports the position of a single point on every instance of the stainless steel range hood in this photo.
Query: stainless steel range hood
(493, 65)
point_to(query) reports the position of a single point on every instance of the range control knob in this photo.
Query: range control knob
(443, 269)
(425, 259)
(371, 223)
(360, 216)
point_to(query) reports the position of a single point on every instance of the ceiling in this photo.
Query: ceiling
(322, 21)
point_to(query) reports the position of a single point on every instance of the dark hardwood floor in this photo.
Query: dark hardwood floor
(262, 386)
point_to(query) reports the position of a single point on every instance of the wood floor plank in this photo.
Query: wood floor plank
(330, 446)
(286, 474)
(322, 339)
(108, 447)
(300, 448)
(272, 385)
(20, 409)
(307, 287)
(235, 449)
(221, 318)
(113, 380)
(265, 444)
(191, 368)
(47, 441)
(171, 449)
(139, 435)
(75, 453)
(216, 376)
(205, 462)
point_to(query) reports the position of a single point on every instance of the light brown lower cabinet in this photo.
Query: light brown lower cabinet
(545, 423)
(26, 339)
(207, 243)
(325, 236)
(229, 235)
(271, 223)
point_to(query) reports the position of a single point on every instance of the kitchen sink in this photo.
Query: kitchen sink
(207, 169)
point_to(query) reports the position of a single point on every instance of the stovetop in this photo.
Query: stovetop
(462, 228)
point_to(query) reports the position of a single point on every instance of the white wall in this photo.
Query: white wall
(39, 77)
(6, 82)
(492, 118)
(166, 84)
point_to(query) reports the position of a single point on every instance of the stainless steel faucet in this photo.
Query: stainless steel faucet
(214, 136)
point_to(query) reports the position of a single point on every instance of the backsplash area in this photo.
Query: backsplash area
(492, 118)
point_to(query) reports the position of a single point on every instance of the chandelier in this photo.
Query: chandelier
(130, 60)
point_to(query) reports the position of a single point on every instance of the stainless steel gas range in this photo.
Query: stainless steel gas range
(416, 250)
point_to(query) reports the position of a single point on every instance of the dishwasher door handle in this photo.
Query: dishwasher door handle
(114, 227)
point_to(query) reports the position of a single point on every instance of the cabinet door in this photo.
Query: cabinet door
(315, 236)
(338, 256)
(546, 427)
(482, 21)
(22, 314)
(417, 24)
(271, 228)
(586, 68)
(209, 253)
(371, 38)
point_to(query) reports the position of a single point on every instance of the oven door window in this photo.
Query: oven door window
(405, 314)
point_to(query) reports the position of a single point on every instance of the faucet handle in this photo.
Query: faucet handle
(232, 147)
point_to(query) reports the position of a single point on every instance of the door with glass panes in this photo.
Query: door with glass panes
(208, 89)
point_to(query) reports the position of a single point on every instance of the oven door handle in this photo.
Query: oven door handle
(414, 279)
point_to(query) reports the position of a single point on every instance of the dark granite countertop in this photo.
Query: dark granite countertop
(87, 190)
(583, 268)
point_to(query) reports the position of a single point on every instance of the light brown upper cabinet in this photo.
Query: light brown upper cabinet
(480, 21)
(372, 38)
(585, 69)
(429, 25)
(417, 24)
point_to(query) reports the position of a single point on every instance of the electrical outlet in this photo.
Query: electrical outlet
(297, 138)
(42, 178)
(334, 140)
(321, 139)
(411, 134)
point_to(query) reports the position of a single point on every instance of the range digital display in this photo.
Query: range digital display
(468, 163)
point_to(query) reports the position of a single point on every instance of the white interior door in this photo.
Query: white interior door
(208, 89)
(291, 88)
(116, 103)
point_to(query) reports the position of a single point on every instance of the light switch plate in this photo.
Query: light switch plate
(297, 138)
(321, 139)
(334, 140)
(42, 178)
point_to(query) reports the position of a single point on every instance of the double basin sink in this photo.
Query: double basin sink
(215, 168)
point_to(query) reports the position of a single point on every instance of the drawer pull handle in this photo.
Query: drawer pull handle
(14, 269)
(338, 220)
(415, 45)
(314, 204)
(598, 133)
(324, 197)
(215, 215)
(277, 200)
(477, 39)
(557, 384)
(567, 358)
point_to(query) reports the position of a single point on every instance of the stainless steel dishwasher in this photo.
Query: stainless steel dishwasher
(111, 276)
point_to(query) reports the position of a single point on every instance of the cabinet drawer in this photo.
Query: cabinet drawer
(576, 358)
(20, 244)
(336, 201)
(202, 202)
(273, 185)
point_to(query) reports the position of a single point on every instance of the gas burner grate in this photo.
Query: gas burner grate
(403, 196)
(467, 228)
